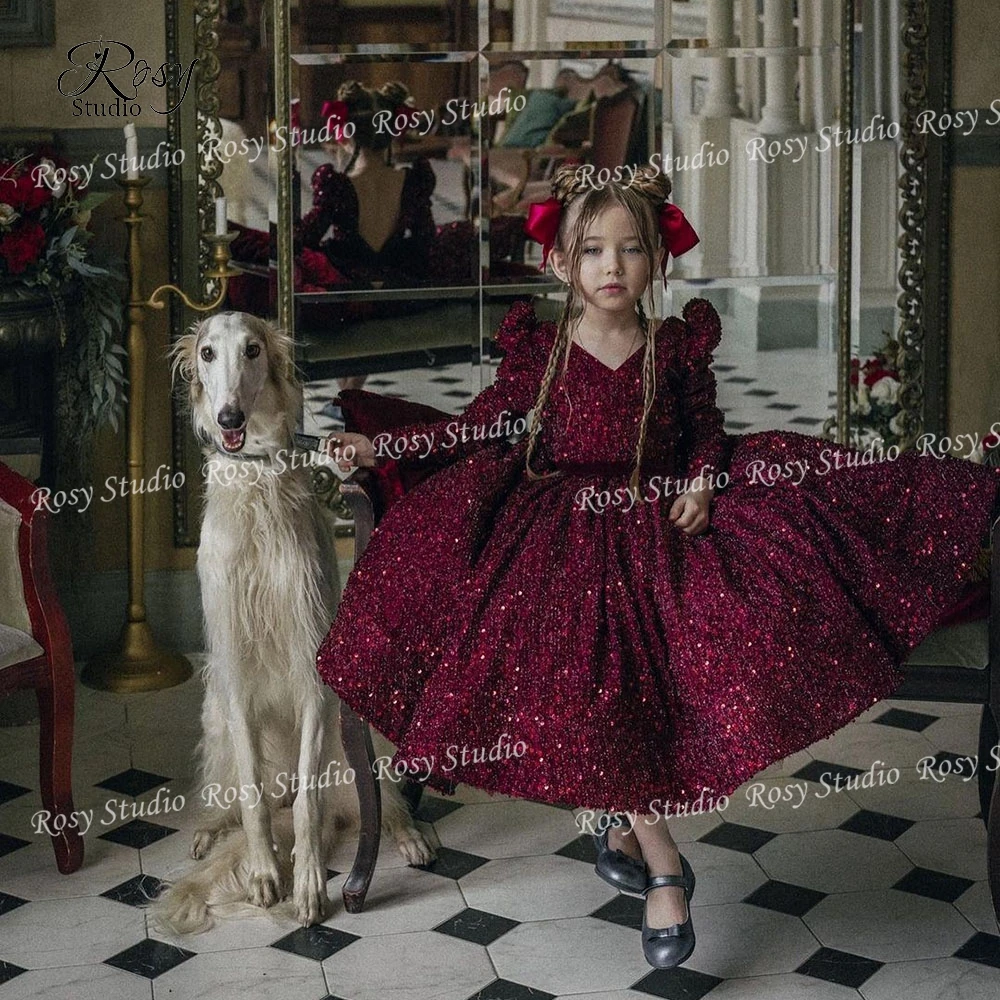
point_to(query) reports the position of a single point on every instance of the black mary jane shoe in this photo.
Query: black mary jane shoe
(625, 873)
(667, 947)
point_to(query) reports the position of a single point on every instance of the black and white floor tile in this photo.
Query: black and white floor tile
(872, 888)
(792, 389)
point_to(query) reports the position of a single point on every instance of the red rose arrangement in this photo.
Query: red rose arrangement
(45, 243)
(43, 218)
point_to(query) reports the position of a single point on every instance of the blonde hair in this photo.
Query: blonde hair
(642, 199)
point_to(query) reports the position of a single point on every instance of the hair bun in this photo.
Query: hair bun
(571, 180)
(394, 93)
(356, 95)
(568, 182)
(653, 183)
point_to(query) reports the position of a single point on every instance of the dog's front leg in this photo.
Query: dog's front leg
(309, 871)
(264, 880)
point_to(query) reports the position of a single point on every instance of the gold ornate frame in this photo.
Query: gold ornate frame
(192, 189)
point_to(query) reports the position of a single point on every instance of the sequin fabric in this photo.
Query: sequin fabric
(502, 633)
(417, 251)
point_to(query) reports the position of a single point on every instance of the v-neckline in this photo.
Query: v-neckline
(357, 214)
(608, 368)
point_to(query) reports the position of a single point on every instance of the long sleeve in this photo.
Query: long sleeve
(312, 227)
(703, 436)
(492, 416)
(413, 251)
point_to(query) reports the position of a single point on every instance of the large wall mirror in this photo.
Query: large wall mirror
(789, 128)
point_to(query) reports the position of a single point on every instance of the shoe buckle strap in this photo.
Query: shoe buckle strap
(661, 881)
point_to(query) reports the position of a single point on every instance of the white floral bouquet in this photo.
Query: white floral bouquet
(875, 385)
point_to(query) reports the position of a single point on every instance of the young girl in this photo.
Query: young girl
(595, 615)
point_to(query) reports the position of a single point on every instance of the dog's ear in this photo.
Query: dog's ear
(183, 355)
(280, 350)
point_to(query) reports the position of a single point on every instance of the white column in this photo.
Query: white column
(749, 70)
(531, 27)
(780, 113)
(720, 100)
(810, 86)
(826, 69)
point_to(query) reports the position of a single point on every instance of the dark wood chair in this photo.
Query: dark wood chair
(961, 663)
(956, 663)
(36, 650)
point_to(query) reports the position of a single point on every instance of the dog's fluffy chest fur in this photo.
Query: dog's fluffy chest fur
(266, 551)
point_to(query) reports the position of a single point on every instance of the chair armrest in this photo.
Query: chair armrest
(45, 614)
(20, 493)
(357, 494)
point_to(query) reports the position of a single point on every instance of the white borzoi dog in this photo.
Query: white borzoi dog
(267, 570)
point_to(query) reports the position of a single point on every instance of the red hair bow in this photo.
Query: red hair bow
(542, 224)
(335, 114)
(676, 233)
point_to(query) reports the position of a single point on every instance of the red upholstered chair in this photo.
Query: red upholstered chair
(958, 662)
(36, 651)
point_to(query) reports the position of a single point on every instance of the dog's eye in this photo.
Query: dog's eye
(207, 354)
(253, 350)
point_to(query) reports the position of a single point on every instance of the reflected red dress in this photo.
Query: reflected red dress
(605, 657)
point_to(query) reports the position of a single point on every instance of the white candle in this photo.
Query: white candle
(131, 152)
(221, 223)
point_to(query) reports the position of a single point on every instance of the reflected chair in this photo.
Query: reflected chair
(36, 651)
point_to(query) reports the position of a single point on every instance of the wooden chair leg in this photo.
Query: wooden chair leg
(361, 756)
(993, 849)
(412, 793)
(987, 763)
(55, 709)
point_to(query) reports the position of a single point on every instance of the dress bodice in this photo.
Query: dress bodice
(591, 418)
(336, 208)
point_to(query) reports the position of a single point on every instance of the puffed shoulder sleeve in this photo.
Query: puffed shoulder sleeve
(490, 416)
(703, 435)
(703, 334)
(329, 198)
(518, 326)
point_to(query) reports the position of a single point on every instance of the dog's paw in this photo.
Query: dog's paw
(264, 887)
(201, 843)
(413, 847)
(309, 894)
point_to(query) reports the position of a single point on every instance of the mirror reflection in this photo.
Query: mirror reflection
(425, 141)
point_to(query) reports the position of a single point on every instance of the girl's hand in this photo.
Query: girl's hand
(690, 511)
(350, 451)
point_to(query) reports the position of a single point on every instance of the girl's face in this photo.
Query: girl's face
(614, 271)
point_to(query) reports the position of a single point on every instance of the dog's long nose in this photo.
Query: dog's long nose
(231, 418)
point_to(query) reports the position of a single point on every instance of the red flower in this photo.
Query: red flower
(22, 247)
(24, 194)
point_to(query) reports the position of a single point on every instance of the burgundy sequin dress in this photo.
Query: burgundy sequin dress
(605, 658)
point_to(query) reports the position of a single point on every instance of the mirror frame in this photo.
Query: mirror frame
(923, 181)
(192, 188)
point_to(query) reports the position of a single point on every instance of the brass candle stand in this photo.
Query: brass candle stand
(138, 663)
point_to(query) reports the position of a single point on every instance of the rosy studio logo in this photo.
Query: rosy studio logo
(116, 63)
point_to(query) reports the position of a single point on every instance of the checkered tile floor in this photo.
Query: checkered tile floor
(876, 892)
(774, 390)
